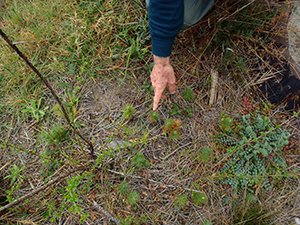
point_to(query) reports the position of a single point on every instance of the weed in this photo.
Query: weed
(226, 123)
(139, 161)
(148, 86)
(198, 198)
(15, 174)
(35, 109)
(133, 198)
(254, 148)
(175, 110)
(189, 111)
(128, 112)
(188, 94)
(154, 116)
(181, 201)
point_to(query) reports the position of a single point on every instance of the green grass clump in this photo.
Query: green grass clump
(188, 94)
(250, 211)
(128, 112)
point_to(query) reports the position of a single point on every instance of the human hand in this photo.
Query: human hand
(162, 76)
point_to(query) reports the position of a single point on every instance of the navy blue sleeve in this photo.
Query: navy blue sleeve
(165, 21)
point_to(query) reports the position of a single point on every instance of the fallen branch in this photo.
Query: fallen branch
(14, 47)
(23, 198)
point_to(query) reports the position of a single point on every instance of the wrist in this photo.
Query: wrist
(161, 60)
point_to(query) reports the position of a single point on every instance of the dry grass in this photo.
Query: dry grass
(103, 46)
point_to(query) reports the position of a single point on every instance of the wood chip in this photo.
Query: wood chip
(213, 91)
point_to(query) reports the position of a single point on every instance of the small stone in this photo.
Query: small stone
(117, 144)
(294, 34)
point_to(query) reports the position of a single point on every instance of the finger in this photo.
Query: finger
(172, 88)
(157, 96)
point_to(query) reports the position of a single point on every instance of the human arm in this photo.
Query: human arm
(165, 21)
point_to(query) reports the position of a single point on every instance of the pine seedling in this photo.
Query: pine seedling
(206, 222)
(123, 188)
(198, 198)
(133, 198)
(57, 135)
(171, 125)
(139, 161)
(172, 128)
(168, 126)
(154, 116)
(129, 112)
(188, 94)
(205, 154)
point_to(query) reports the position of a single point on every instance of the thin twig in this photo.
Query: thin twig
(14, 47)
(153, 181)
(107, 214)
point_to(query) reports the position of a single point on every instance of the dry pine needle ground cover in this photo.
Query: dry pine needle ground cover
(167, 167)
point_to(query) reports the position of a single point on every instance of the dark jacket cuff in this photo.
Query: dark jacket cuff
(162, 47)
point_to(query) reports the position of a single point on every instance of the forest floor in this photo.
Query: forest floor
(228, 157)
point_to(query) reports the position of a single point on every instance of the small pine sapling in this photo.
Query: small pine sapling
(123, 188)
(133, 198)
(207, 222)
(205, 154)
(172, 127)
(139, 161)
(57, 135)
(188, 94)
